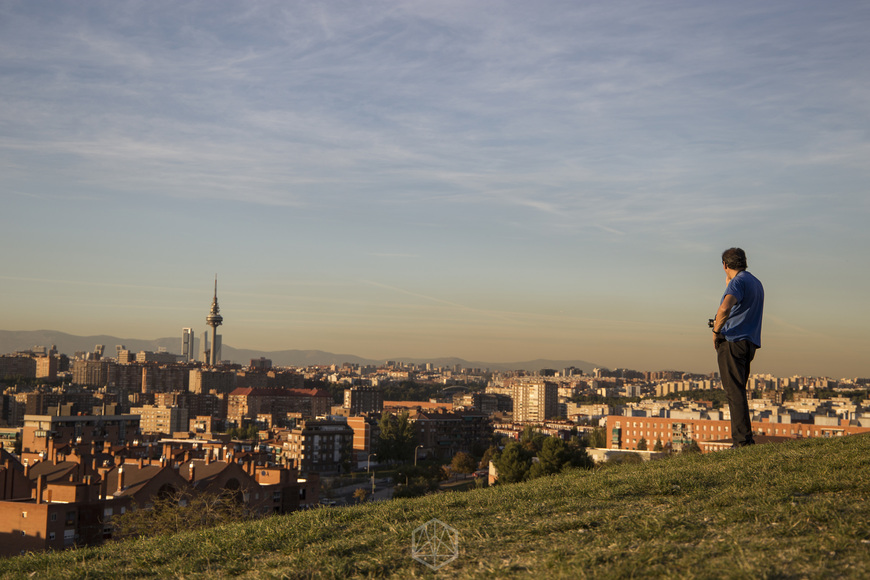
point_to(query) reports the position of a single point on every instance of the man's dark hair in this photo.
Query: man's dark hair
(734, 258)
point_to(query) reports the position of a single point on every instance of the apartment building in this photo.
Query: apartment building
(535, 401)
(246, 404)
(360, 400)
(712, 434)
(17, 366)
(443, 434)
(43, 434)
(319, 446)
(161, 419)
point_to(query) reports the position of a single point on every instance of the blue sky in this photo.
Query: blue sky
(497, 181)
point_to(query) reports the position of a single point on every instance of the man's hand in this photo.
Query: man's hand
(717, 340)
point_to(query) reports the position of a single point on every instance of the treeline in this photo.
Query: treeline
(595, 399)
(535, 455)
(411, 391)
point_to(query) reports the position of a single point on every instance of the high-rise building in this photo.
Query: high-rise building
(214, 319)
(216, 349)
(204, 350)
(537, 401)
(187, 341)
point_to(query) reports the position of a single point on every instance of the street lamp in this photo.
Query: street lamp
(369, 465)
(415, 454)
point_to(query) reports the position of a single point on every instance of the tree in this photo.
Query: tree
(178, 511)
(553, 457)
(579, 456)
(557, 455)
(487, 457)
(598, 438)
(398, 437)
(463, 463)
(531, 439)
(513, 463)
(628, 457)
(641, 445)
(658, 446)
(415, 488)
(691, 447)
(359, 494)
(247, 432)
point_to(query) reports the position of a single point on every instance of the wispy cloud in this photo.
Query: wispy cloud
(482, 136)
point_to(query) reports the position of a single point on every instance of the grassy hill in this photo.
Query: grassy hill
(795, 510)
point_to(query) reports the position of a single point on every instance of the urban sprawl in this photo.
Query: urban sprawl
(88, 437)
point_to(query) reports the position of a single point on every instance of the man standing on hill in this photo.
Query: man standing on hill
(736, 336)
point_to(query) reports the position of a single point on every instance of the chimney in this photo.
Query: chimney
(192, 473)
(121, 478)
(141, 462)
(40, 487)
(208, 456)
(7, 478)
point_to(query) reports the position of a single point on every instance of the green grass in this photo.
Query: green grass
(795, 510)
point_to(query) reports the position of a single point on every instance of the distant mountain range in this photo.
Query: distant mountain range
(15, 340)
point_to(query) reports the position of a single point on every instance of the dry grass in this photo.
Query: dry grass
(796, 510)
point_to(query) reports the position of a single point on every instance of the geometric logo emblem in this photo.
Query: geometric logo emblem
(435, 544)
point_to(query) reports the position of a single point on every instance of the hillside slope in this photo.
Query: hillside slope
(794, 510)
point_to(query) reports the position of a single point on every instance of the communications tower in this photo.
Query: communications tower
(214, 319)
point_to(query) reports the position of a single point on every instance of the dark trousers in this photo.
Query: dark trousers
(734, 359)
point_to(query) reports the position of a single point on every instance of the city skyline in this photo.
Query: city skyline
(489, 181)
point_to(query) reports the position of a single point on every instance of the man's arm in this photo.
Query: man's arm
(724, 312)
(721, 316)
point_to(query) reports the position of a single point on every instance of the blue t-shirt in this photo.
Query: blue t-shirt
(744, 322)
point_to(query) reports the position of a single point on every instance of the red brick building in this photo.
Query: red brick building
(626, 432)
(67, 495)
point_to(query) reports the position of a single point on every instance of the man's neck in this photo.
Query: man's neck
(729, 273)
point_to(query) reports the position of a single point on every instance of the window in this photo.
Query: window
(51, 536)
(53, 517)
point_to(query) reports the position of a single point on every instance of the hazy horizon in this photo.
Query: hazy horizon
(173, 346)
(492, 181)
